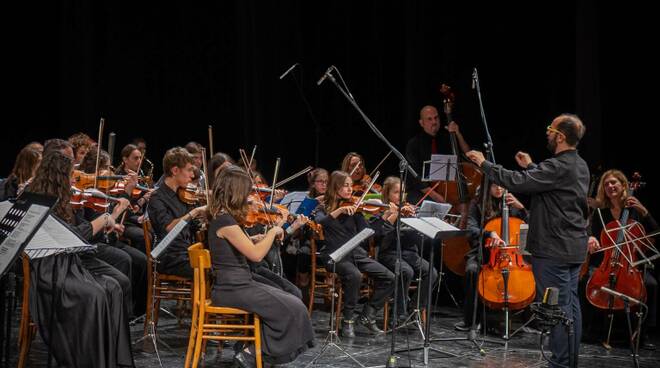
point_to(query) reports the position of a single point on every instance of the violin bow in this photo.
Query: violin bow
(206, 176)
(355, 168)
(299, 173)
(210, 141)
(243, 155)
(380, 163)
(371, 183)
(98, 152)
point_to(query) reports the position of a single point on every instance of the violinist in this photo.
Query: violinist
(431, 140)
(411, 262)
(261, 183)
(286, 327)
(60, 145)
(165, 210)
(340, 224)
(90, 299)
(26, 165)
(493, 209)
(611, 198)
(557, 237)
(129, 260)
(81, 143)
(353, 163)
(218, 162)
(195, 150)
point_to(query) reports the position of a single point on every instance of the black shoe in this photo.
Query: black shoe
(368, 319)
(646, 343)
(347, 329)
(245, 360)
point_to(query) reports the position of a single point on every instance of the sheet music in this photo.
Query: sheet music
(163, 244)
(442, 167)
(54, 237)
(429, 226)
(337, 255)
(293, 200)
(434, 209)
(11, 242)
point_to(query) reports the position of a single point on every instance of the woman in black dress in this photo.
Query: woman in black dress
(286, 327)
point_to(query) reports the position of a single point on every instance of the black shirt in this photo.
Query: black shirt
(558, 211)
(163, 208)
(474, 219)
(418, 150)
(337, 231)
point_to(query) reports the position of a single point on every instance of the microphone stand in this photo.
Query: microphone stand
(404, 167)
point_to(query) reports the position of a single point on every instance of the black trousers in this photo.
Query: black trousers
(135, 234)
(350, 271)
(470, 280)
(411, 266)
(133, 264)
(565, 277)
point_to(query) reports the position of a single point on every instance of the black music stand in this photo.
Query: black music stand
(332, 339)
(155, 254)
(19, 222)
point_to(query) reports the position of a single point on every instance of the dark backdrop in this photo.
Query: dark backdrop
(165, 72)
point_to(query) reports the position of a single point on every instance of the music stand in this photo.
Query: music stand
(155, 254)
(336, 256)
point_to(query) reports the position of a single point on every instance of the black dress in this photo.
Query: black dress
(90, 316)
(286, 327)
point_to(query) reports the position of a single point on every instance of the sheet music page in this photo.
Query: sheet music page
(54, 237)
(293, 200)
(351, 244)
(22, 229)
(429, 226)
(155, 253)
(443, 167)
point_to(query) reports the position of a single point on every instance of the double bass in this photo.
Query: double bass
(620, 239)
(458, 193)
(506, 280)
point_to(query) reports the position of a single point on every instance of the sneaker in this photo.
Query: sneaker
(462, 326)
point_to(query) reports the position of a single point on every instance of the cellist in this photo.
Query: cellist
(611, 199)
(493, 209)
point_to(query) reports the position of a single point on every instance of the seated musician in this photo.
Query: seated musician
(286, 327)
(129, 260)
(81, 143)
(353, 163)
(493, 210)
(340, 224)
(166, 209)
(611, 198)
(131, 158)
(21, 175)
(86, 296)
(431, 140)
(411, 262)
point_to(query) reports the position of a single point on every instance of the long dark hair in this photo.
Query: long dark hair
(25, 165)
(230, 192)
(493, 205)
(53, 178)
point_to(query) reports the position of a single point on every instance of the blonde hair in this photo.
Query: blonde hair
(601, 199)
(388, 186)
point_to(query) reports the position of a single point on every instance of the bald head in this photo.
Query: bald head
(429, 120)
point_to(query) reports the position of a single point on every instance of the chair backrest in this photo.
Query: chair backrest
(146, 229)
(200, 261)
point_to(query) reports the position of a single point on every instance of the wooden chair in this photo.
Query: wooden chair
(27, 329)
(200, 328)
(166, 286)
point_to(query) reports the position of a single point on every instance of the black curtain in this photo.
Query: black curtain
(166, 71)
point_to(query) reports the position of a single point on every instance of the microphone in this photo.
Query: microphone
(111, 146)
(474, 78)
(548, 311)
(289, 70)
(620, 295)
(326, 75)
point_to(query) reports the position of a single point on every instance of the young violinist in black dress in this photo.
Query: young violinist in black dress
(411, 263)
(286, 327)
(340, 224)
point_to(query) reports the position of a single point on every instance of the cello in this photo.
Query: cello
(458, 193)
(506, 281)
(617, 271)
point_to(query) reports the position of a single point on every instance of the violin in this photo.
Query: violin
(618, 271)
(370, 206)
(191, 195)
(103, 182)
(91, 198)
(264, 191)
(360, 186)
(506, 280)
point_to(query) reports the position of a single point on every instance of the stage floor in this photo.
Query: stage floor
(522, 349)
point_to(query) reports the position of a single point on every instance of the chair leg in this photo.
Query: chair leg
(193, 336)
(386, 315)
(198, 339)
(312, 290)
(340, 300)
(257, 341)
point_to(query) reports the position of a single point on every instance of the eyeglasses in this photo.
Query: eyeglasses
(551, 129)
